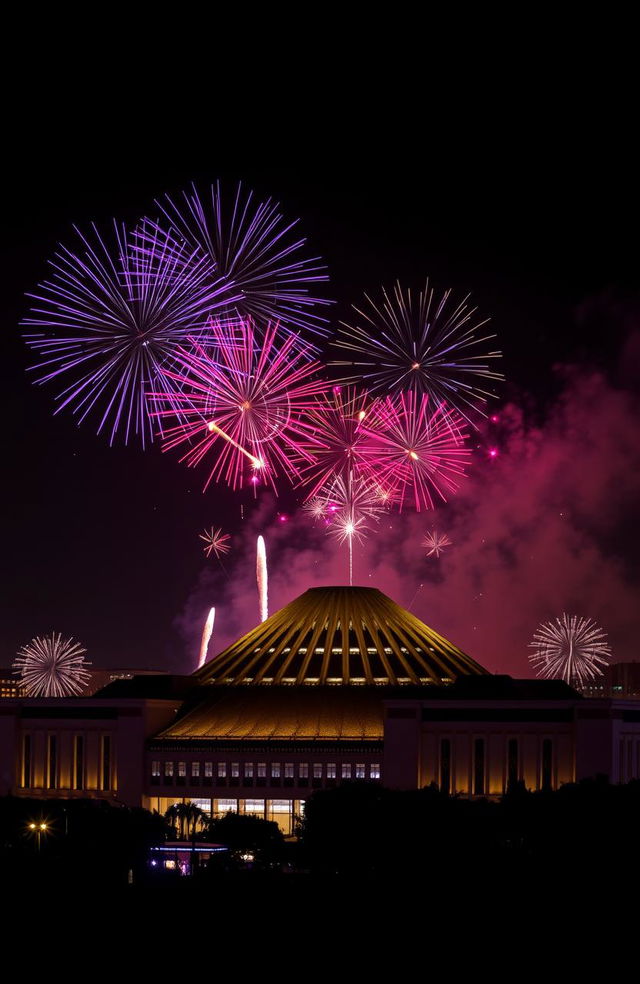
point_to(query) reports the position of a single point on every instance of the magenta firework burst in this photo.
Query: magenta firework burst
(420, 452)
(111, 316)
(425, 342)
(51, 666)
(571, 648)
(249, 242)
(338, 443)
(240, 403)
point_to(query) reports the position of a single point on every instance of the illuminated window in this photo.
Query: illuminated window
(512, 761)
(331, 770)
(208, 769)
(248, 770)
(317, 770)
(26, 762)
(106, 762)
(288, 770)
(374, 771)
(78, 762)
(168, 769)
(52, 762)
(226, 806)
(275, 770)
(195, 770)
(361, 772)
(445, 765)
(262, 770)
(222, 770)
(478, 766)
(254, 807)
(155, 768)
(203, 804)
(547, 761)
(303, 770)
(182, 769)
(235, 770)
(346, 770)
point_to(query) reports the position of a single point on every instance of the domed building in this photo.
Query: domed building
(340, 685)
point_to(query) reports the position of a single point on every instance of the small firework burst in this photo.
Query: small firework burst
(435, 543)
(50, 666)
(316, 507)
(216, 542)
(571, 649)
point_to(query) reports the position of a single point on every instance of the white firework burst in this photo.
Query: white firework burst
(50, 666)
(435, 543)
(572, 649)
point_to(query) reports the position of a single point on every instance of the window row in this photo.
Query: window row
(76, 768)
(262, 770)
(479, 786)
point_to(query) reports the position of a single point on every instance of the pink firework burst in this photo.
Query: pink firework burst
(420, 452)
(338, 442)
(435, 543)
(243, 398)
(216, 542)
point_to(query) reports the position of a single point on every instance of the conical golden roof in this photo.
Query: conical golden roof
(340, 635)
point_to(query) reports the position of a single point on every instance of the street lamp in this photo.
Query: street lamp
(38, 829)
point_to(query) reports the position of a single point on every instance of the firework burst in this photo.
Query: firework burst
(112, 316)
(250, 243)
(51, 666)
(420, 453)
(422, 342)
(216, 542)
(571, 648)
(435, 543)
(244, 399)
(338, 442)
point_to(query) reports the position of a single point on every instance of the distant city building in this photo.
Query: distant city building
(340, 685)
(10, 685)
(102, 678)
(618, 680)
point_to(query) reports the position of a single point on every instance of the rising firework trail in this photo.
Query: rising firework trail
(241, 401)
(206, 637)
(571, 649)
(262, 579)
(112, 317)
(249, 242)
(51, 666)
(423, 342)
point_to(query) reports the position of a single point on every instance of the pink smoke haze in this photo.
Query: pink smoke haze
(546, 526)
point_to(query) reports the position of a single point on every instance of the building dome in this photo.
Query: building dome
(340, 635)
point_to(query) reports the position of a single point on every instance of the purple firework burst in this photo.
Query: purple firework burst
(112, 316)
(249, 242)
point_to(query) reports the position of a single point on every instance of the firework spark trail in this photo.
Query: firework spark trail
(250, 243)
(571, 649)
(246, 399)
(113, 316)
(52, 667)
(262, 579)
(423, 344)
(419, 452)
(206, 637)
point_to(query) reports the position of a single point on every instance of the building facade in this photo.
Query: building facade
(341, 685)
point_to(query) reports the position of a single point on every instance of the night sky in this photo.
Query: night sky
(535, 212)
